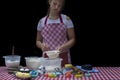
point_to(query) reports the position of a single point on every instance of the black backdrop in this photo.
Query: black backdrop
(95, 29)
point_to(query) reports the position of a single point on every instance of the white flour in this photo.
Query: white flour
(12, 64)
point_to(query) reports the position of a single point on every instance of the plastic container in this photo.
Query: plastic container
(12, 61)
(51, 64)
(33, 62)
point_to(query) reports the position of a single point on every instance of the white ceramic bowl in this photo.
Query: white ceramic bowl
(52, 54)
(33, 62)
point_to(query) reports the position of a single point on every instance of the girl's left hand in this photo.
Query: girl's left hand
(61, 49)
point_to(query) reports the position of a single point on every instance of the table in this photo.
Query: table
(105, 73)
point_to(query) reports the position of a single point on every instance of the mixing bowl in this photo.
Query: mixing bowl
(33, 62)
(12, 61)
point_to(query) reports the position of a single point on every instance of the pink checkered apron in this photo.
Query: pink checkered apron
(54, 35)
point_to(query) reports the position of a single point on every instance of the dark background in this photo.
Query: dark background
(96, 30)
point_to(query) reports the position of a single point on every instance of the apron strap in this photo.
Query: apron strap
(61, 20)
(46, 20)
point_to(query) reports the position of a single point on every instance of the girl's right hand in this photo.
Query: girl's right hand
(44, 47)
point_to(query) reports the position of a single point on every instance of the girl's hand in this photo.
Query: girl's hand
(44, 47)
(61, 49)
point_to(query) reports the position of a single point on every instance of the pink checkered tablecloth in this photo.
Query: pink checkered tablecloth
(105, 73)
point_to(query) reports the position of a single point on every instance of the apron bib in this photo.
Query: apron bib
(54, 35)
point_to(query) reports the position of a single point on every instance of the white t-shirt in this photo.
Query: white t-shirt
(66, 20)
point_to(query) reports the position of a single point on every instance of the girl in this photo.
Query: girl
(55, 31)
